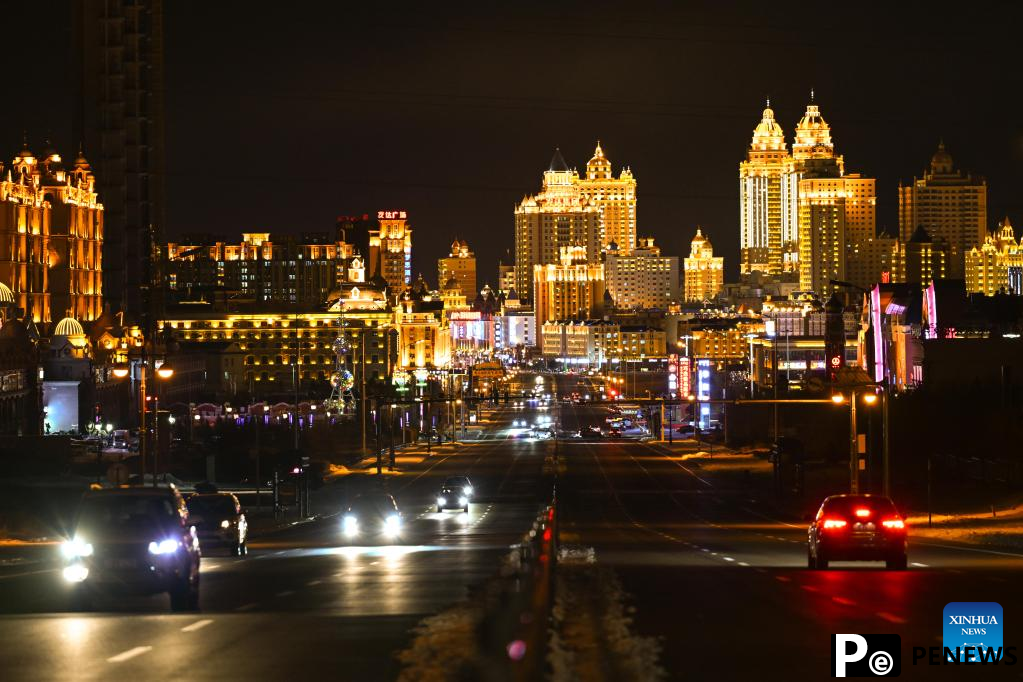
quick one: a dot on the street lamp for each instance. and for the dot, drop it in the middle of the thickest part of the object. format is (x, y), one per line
(121, 371)
(165, 371)
(838, 398)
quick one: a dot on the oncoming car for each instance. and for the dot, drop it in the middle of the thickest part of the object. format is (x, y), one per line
(455, 493)
(133, 541)
(857, 528)
(219, 522)
(372, 516)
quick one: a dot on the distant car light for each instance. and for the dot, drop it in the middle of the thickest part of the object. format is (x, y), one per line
(225, 524)
(392, 525)
(168, 546)
(75, 573)
(467, 490)
(76, 549)
(351, 525)
(441, 501)
(462, 501)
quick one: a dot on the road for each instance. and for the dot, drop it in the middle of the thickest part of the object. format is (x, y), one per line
(300, 600)
(724, 584)
(713, 572)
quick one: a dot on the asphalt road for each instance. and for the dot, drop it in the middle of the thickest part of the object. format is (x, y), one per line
(724, 584)
(301, 600)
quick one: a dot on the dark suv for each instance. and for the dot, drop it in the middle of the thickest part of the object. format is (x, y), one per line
(133, 540)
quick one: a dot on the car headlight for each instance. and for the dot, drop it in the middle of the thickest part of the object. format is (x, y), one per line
(75, 573)
(441, 501)
(392, 524)
(225, 524)
(168, 546)
(467, 490)
(463, 500)
(76, 549)
(351, 525)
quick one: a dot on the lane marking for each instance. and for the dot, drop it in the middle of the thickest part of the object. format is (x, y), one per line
(313, 582)
(891, 617)
(728, 558)
(743, 563)
(810, 588)
(967, 549)
(782, 578)
(919, 565)
(286, 593)
(197, 625)
(130, 653)
(843, 601)
(246, 607)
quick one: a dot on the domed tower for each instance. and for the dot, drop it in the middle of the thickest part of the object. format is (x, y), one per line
(760, 197)
(813, 135)
(941, 162)
(598, 167)
(616, 199)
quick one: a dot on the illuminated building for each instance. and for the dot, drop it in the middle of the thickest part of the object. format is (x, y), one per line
(460, 264)
(390, 250)
(556, 218)
(51, 237)
(423, 342)
(571, 289)
(588, 342)
(505, 278)
(452, 296)
(873, 260)
(642, 278)
(997, 265)
(763, 232)
(704, 272)
(949, 204)
(923, 259)
(616, 199)
(119, 117)
(270, 269)
(641, 342)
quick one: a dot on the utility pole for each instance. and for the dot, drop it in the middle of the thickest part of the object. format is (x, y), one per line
(854, 470)
(297, 374)
(362, 391)
(886, 476)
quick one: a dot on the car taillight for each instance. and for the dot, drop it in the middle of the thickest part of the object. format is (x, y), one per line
(894, 524)
(830, 524)
(862, 513)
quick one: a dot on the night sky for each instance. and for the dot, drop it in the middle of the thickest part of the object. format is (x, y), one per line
(281, 117)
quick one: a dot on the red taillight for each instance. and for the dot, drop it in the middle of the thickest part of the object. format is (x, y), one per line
(830, 524)
(862, 513)
(894, 524)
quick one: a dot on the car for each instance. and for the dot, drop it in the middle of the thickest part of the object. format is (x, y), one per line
(219, 522)
(134, 540)
(373, 516)
(455, 493)
(857, 528)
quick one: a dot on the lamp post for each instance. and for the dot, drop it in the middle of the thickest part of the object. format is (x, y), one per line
(165, 372)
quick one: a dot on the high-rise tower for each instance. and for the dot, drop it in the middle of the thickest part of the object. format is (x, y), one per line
(760, 198)
(616, 199)
(390, 250)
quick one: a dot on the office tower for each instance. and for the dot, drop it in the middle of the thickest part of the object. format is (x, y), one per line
(119, 120)
(704, 272)
(949, 204)
(760, 199)
(505, 278)
(460, 264)
(642, 279)
(573, 288)
(556, 218)
(923, 259)
(390, 250)
(616, 199)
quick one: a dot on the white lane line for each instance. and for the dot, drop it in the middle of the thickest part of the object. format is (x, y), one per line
(890, 617)
(130, 653)
(312, 582)
(728, 558)
(810, 588)
(286, 593)
(743, 563)
(197, 625)
(246, 607)
(919, 565)
(843, 601)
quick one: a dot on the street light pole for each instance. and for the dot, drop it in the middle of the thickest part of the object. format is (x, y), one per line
(854, 472)
(886, 475)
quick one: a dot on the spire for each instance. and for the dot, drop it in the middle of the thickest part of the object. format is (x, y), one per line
(811, 95)
(558, 161)
(598, 153)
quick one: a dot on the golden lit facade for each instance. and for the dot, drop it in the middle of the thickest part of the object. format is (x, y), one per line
(997, 265)
(390, 250)
(642, 279)
(51, 237)
(922, 259)
(460, 264)
(949, 204)
(423, 341)
(573, 288)
(704, 272)
(616, 199)
(760, 199)
(556, 218)
(641, 342)
(264, 268)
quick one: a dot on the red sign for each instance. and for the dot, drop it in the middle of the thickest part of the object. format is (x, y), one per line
(467, 315)
(391, 215)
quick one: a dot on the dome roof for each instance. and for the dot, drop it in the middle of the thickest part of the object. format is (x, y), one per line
(69, 326)
(941, 162)
(6, 295)
(451, 283)
(769, 131)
